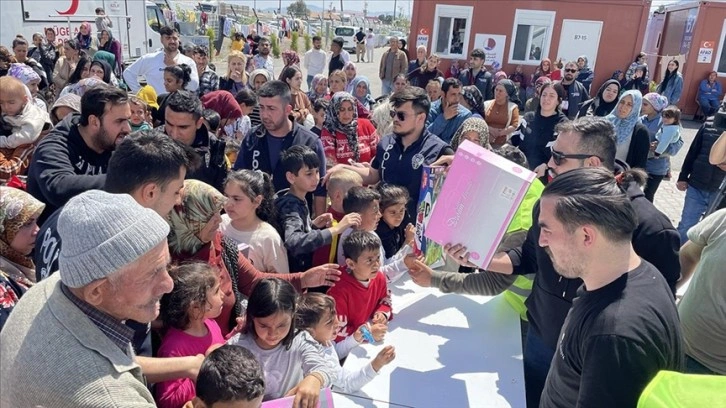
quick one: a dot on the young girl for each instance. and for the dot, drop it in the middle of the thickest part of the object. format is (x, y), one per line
(249, 209)
(670, 132)
(176, 77)
(393, 209)
(316, 314)
(139, 113)
(290, 361)
(188, 312)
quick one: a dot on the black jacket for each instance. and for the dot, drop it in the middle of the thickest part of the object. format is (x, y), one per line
(539, 132)
(639, 147)
(300, 239)
(576, 95)
(696, 169)
(654, 239)
(483, 81)
(214, 168)
(63, 166)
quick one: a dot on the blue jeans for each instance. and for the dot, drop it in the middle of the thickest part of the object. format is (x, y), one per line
(709, 106)
(386, 87)
(694, 367)
(537, 361)
(694, 206)
(310, 81)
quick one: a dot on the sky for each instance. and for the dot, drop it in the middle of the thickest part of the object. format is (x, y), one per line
(353, 5)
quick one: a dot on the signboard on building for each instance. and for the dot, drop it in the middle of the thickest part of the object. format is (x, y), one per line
(687, 40)
(493, 46)
(705, 52)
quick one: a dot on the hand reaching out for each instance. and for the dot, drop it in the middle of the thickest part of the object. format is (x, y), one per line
(410, 234)
(384, 357)
(323, 220)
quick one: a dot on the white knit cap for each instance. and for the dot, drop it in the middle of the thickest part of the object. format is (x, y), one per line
(103, 232)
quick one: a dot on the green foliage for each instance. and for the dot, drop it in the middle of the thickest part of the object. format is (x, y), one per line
(210, 34)
(308, 42)
(275, 45)
(295, 36)
(298, 9)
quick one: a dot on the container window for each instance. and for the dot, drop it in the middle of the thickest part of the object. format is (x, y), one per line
(720, 63)
(452, 28)
(532, 33)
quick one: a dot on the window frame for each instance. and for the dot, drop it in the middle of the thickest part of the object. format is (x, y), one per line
(719, 49)
(532, 17)
(453, 12)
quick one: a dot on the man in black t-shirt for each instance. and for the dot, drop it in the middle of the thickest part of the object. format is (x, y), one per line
(360, 45)
(623, 326)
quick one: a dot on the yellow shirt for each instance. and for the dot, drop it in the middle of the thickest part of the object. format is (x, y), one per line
(237, 45)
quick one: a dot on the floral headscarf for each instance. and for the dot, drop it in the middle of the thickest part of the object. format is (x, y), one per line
(366, 99)
(624, 127)
(290, 57)
(24, 73)
(85, 40)
(80, 87)
(346, 67)
(312, 95)
(253, 75)
(16, 208)
(472, 124)
(473, 97)
(332, 123)
(200, 202)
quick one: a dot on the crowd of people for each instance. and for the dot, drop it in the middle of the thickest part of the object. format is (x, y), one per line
(188, 237)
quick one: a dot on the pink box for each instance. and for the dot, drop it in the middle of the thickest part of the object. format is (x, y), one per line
(481, 193)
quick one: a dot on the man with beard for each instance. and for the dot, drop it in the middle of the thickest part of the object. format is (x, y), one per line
(400, 157)
(576, 93)
(623, 326)
(152, 65)
(263, 59)
(74, 156)
(263, 145)
(478, 75)
(585, 142)
(208, 79)
(65, 344)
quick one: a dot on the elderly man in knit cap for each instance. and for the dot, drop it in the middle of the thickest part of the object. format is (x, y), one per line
(656, 166)
(65, 344)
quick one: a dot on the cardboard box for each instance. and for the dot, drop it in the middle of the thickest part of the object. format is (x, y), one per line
(480, 196)
(432, 180)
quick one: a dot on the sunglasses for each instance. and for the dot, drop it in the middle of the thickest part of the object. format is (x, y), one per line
(570, 70)
(559, 157)
(398, 114)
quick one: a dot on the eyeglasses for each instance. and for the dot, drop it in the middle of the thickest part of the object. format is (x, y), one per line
(570, 70)
(398, 114)
(559, 157)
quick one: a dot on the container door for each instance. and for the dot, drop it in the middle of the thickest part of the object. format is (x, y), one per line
(580, 37)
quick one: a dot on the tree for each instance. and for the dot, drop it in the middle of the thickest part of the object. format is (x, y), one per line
(386, 19)
(298, 9)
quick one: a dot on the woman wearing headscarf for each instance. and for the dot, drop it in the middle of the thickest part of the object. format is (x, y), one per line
(362, 92)
(472, 99)
(257, 78)
(109, 44)
(69, 103)
(604, 102)
(639, 81)
(337, 83)
(80, 87)
(540, 130)
(474, 130)
(546, 69)
(195, 236)
(429, 70)
(86, 40)
(345, 136)
(585, 74)
(502, 113)
(672, 85)
(229, 112)
(19, 213)
(350, 72)
(290, 58)
(102, 70)
(318, 88)
(533, 103)
(631, 136)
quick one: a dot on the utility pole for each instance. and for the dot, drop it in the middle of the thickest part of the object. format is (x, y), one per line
(394, 10)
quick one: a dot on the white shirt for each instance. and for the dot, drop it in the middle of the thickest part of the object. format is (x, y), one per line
(315, 62)
(264, 63)
(152, 67)
(267, 251)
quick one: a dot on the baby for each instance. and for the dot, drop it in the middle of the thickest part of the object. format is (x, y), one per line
(25, 118)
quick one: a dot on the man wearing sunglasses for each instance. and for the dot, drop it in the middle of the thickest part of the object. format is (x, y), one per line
(576, 91)
(400, 156)
(585, 142)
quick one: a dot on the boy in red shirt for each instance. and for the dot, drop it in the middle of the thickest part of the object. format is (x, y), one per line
(362, 293)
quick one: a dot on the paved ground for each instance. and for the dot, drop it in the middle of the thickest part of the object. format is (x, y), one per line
(668, 199)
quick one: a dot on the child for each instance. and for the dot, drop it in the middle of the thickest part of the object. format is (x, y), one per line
(238, 42)
(247, 101)
(361, 294)
(211, 120)
(393, 210)
(433, 89)
(147, 94)
(139, 113)
(316, 314)
(30, 78)
(301, 235)
(188, 312)
(320, 106)
(289, 361)
(103, 22)
(670, 131)
(364, 201)
(338, 185)
(249, 209)
(230, 376)
(26, 119)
